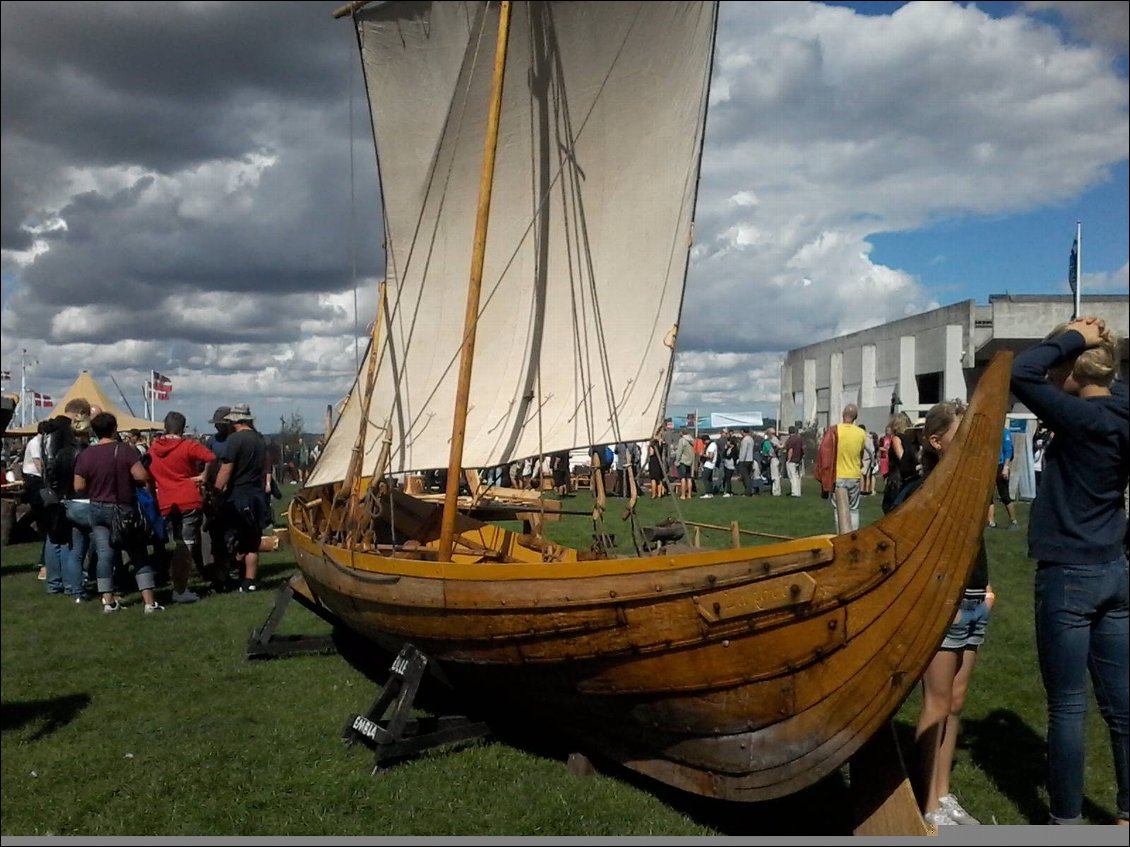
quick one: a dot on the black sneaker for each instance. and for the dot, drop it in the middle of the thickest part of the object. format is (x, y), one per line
(247, 585)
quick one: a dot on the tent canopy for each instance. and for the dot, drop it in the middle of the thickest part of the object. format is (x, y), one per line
(86, 387)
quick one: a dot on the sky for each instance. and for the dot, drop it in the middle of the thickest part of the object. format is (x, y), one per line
(191, 188)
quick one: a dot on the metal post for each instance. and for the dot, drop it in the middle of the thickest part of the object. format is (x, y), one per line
(1078, 270)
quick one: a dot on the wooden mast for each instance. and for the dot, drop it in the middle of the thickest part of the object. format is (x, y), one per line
(470, 322)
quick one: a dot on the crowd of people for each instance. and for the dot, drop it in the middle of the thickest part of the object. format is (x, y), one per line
(116, 511)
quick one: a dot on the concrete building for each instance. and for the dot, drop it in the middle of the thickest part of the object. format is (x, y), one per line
(926, 358)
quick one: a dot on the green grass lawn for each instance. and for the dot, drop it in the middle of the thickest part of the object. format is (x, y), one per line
(157, 725)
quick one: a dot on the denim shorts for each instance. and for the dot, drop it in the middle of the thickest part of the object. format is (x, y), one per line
(968, 631)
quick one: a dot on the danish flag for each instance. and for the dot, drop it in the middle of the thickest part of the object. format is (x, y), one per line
(160, 386)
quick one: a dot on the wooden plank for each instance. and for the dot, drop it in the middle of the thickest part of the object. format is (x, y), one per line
(881, 794)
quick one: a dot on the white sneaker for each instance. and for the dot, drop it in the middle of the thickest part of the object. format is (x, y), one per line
(727, 495)
(706, 496)
(185, 596)
(955, 812)
(156, 607)
(938, 817)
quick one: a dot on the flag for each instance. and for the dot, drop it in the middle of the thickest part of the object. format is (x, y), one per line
(43, 401)
(1073, 267)
(158, 390)
(159, 387)
(162, 383)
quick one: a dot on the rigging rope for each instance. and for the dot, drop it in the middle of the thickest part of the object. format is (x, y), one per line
(353, 221)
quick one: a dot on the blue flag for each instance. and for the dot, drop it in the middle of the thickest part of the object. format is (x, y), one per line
(1073, 270)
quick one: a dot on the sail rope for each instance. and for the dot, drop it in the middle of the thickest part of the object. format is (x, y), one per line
(353, 222)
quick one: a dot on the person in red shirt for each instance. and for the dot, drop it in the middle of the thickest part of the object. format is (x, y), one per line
(177, 466)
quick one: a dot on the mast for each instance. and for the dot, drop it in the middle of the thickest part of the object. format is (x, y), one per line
(470, 321)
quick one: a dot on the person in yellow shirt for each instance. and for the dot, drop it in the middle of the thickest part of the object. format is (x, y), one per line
(849, 462)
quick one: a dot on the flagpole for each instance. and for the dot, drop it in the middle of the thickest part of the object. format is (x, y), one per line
(1078, 269)
(23, 387)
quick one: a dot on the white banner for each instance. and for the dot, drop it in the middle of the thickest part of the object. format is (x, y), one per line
(732, 419)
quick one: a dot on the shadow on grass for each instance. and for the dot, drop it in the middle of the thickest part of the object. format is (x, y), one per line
(786, 816)
(14, 569)
(820, 809)
(792, 815)
(21, 556)
(1015, 758)
(54, 714)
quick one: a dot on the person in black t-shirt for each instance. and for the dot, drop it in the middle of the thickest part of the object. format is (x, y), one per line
(244, 478)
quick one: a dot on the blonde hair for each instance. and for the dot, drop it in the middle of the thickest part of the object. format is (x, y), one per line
(1095, 365)
(939, 419)
(899, 422)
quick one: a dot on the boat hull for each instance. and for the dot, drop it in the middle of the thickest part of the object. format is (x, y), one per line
(742, 674)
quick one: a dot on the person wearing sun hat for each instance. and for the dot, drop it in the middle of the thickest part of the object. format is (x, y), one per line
(243, 478)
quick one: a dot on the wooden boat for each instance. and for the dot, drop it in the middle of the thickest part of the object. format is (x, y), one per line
(746, 673)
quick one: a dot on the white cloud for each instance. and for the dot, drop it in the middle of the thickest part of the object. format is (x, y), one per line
(195, 224)
(1116, 282)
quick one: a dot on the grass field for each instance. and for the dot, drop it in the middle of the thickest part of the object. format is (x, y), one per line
(157, 725)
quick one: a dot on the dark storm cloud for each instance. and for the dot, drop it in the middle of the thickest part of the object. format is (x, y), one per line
(222, 135)
(163, 85)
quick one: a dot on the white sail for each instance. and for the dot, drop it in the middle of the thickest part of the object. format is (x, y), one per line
(590, 223)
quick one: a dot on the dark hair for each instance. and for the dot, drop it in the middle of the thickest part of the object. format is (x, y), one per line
(104, 425)
(174, 423)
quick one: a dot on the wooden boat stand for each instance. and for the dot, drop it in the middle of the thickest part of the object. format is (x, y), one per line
(265, 644)
(392, 737)
(398, 735)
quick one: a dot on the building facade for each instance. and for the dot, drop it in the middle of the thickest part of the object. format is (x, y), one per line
(924, 359)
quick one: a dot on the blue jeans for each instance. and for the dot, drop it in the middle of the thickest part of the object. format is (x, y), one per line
(53, 557)
(708, 480)
(78, 514)
(101, 518)
(851, 486)
(1082, 618)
